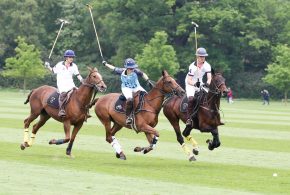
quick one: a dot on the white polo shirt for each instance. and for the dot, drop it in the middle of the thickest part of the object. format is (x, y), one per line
(64, 76)
(197, 74)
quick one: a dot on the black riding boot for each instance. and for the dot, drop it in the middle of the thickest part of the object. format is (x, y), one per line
(61, 100)
(189, 110)
(129, 106)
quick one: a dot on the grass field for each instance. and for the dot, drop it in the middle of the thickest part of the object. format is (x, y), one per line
(255, 144)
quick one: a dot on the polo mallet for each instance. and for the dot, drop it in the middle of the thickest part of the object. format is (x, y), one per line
(195, 26)
(90, 9)
(62, 23)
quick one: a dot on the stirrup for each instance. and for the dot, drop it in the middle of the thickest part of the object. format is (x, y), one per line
(129, 121)
(188, 122)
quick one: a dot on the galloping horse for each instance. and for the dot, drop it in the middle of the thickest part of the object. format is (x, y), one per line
(146, 113)
(76, 109)
(206, 118)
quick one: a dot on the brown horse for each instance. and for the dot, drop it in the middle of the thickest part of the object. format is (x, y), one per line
(76, 109)
(205, 119)
(145, 116)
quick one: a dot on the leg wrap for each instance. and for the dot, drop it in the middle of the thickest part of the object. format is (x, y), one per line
(32, 138)
(186, 149)
(154, 141)
(115, 144)
(192, 141)
(26, 135)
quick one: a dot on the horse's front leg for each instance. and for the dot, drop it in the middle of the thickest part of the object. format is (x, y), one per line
(215, 143)
(66, 127)
(152, 137)
(76, 129)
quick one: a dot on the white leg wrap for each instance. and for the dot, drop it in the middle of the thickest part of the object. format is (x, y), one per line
(32, 138)
(26, 135)
(115, 144)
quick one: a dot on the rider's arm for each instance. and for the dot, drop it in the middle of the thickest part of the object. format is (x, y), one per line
(145, 77)
(208, 77)
(189, 80)
(109, 66)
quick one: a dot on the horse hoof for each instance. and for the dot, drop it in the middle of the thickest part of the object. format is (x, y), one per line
(192, 158)
(121, 156)
(146, 150)
(195, 151)
(52, 141)
(138, 149)
(22, 146)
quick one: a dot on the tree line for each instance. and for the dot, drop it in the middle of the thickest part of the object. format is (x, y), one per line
(246, 39)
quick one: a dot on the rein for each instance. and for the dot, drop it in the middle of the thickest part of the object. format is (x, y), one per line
(216, 92)
(163, 93)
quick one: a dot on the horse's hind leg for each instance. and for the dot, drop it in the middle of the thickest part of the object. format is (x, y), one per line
(29, 142)
(114, 142)
(189, 138)
(27, 122)
(42, 120)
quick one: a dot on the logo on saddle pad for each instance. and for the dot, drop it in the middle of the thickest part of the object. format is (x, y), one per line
(184, 104)
(53, 100)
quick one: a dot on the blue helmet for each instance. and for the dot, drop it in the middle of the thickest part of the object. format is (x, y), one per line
(130, 63)
(69, 53)
(201, 52)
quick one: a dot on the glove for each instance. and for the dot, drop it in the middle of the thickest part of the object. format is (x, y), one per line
(47, 64)
(197, 84)
(83, 81)
(150, 83)
(104, 62)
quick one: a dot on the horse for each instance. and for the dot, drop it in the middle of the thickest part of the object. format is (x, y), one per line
(205, 119)
(145, 114)
(76, 109)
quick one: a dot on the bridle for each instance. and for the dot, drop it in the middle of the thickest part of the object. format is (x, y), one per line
(92, 85)
(216, 93)
(167, 84)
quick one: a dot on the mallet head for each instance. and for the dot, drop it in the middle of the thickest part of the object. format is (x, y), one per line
(194, 24)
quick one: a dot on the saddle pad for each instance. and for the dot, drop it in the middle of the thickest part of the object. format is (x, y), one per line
(53, 100)
(184, 104)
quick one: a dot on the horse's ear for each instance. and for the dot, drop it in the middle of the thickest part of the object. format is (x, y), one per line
(164, 73)
(90, 69)
(212, 71)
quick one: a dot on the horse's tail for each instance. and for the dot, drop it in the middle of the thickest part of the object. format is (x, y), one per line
(93, 102)
(28, 97)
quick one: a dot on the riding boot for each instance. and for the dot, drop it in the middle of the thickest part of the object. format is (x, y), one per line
(189, 110)
(129, 106)
(61, 100)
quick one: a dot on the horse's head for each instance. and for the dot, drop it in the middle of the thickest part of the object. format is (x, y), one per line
(95, 79)
(218, 84)
(167, 84)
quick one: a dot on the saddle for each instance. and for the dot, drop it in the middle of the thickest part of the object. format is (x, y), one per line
(53, 98)
(120, 104)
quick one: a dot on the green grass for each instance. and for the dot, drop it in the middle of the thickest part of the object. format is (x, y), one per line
(255, 144)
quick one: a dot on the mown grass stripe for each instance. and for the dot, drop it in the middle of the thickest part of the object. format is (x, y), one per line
(69, 181)
(169, 150)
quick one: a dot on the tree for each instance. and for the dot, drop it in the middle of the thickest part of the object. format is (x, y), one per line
(157, 56)
(278, 73)
(26, 65)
